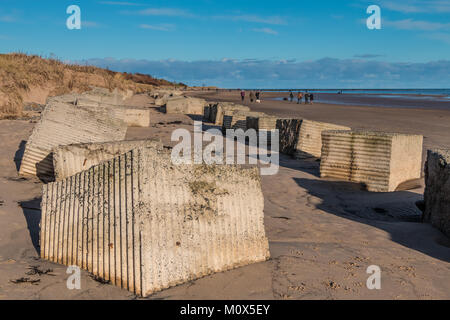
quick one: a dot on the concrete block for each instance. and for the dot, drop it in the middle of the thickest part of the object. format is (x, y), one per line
(71, 159)
(63, 124)
(303, 138)
(382, 161)
(437, 189)
(133, 116)
(263, 122)
(145, 224)
(137, 117)
(237, 119)
(185, 105)
(104, 96)
(217, 111)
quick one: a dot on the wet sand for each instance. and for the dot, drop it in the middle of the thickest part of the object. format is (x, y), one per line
(322, 234)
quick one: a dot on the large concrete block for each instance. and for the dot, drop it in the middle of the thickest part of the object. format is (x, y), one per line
(262, 122)
(382, 161)
(63, 124)
(145, 224)
(185, 105)
(103, 95)
(137, 117)
(237, 119)
(133, 116)
(217, 111)
(303, 138)
(71, 159)
(437, 189)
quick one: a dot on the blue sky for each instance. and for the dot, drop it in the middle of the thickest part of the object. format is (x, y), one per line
(284, 43)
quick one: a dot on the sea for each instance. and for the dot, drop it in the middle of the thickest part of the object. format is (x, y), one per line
(413, 98)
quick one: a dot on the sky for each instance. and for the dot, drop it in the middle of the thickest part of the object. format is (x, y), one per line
(246, 43)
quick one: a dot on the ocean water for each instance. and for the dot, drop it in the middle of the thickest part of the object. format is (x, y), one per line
(389, 98)
(402, 92)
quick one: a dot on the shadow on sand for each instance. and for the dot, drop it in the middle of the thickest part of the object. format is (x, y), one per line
(32, 212)
(394, 212)
(19, 154)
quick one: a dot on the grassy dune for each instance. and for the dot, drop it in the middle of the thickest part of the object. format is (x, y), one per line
(31, 79)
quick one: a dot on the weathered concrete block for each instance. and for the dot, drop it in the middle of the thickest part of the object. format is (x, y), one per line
(145, 224)
(262, 122)
(217, 111)
(437, 189)
(103, 95)
(237, 119)
(382, 161)
(137, 117)
(133, 116)
(185, 105)
(303, 138)
(71, 159)
(63, 124)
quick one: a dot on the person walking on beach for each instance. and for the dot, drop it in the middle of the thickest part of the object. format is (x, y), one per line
(257, 95)
(307, 98)
(252, 96)
(299, 97)
(291, 96)
(242, 95)
(311, 98)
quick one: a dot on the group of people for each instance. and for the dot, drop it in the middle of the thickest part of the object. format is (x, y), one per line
(254, 96)
(309, 97)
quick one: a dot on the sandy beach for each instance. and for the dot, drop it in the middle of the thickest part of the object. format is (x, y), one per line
(322, 234)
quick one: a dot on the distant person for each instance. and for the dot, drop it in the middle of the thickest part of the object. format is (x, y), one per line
(252, 96)
(291, 96)
(307, 98)
(258, 97)
(242, 95)
(299, 97)
(311, 98)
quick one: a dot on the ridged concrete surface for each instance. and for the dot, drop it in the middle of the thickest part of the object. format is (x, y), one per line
(302, 138)
(146, 225)
(382, 161)
(71, 159)
(63, 124)
(237, 119)
(217, 111)
(133, 116)
(437, 189)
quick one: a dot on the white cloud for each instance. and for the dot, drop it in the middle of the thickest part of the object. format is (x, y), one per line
(417, 6)
(168, 12)
(160, 27)
(274, 20)
(120, 3)
(266, 30)
(327, 72)
(411, 24)
(90, 24)
(439, 36)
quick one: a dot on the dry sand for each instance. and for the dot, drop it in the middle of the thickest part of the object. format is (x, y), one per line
(322, 234)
